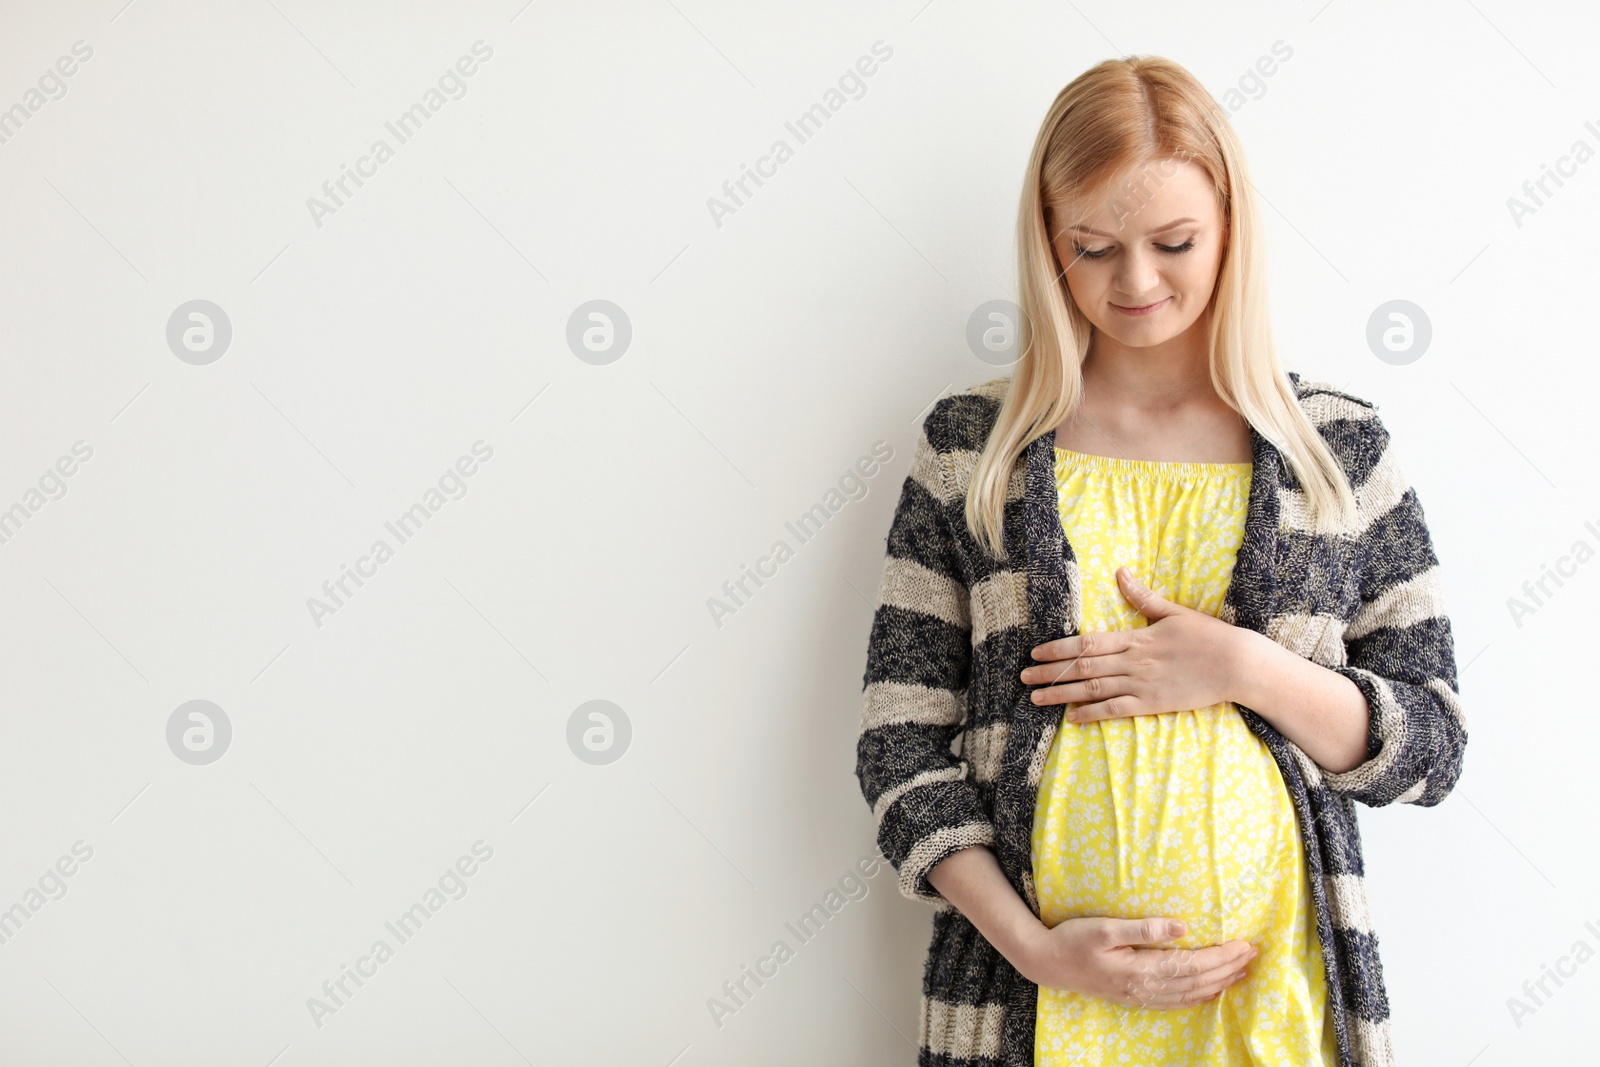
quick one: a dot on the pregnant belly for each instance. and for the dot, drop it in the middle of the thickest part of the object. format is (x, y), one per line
(1183, 815)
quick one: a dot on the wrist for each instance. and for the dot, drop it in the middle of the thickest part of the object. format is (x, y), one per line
(1025, 940)
(1243, 657)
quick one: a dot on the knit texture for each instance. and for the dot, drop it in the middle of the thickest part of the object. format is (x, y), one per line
(951, 748)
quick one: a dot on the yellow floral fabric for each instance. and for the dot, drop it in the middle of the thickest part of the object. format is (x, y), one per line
(1182, 814)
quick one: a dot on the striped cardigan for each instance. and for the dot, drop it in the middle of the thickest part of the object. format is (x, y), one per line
(951, 748)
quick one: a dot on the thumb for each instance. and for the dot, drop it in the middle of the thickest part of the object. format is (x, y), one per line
(1141, 596)
(1144, 931)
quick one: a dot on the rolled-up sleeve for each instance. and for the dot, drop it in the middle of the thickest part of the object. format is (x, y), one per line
(1400, 651)
(919, 660)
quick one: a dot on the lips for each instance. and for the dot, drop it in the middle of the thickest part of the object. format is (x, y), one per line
(1144, 309)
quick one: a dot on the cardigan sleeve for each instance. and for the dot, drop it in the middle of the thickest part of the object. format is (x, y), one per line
(919, 661)
(1400, 650)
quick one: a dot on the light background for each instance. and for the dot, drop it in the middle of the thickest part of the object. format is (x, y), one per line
(768, 355)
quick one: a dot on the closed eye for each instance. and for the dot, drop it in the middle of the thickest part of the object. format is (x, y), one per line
(1084, 253)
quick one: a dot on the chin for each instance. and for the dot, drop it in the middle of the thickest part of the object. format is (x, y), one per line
(1145, 338)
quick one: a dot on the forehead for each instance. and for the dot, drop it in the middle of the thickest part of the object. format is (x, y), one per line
(1143, 199)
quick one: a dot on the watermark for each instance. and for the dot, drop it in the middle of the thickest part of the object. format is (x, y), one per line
(599, 332)
(737, 992)
(199, 732)
(1536, 992)
(199, 332)
(451, 85)
(599, 732)
(51, 885)
(1535, 190)
(337, 592)
(994, 332)
(52, 86)
(52, 485)
(1133, 193)
(736, 192)
(1252, 84)
(451, 885)
(1126, 198)
(1536, 592)
(1399, 332)
(852, 485)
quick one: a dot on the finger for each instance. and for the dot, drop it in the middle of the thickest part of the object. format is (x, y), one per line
(1137, 593)
(1105, 660)
(1159, 989)
(1197, 995)
(1186, 962)
(1116, 933)
(1159, 980)
(1121, 706)
(1086, 691)
(1149, 603)
(1060, 648)
(1092, 643)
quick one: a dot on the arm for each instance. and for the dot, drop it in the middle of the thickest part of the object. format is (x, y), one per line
(1113, 959)
(1316, 707)
(973, 881)
(919, 659)
(1400, 657)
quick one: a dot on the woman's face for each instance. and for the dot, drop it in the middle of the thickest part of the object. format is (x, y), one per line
(1141, 262)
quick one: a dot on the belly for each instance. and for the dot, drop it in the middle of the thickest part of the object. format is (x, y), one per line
(1182, 815)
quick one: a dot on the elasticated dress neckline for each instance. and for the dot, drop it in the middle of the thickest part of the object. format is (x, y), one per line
(1156, 468)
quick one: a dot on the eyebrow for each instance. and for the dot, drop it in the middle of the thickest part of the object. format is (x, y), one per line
(1175, 223)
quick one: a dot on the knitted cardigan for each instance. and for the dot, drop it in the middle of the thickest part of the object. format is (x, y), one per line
(951, 748)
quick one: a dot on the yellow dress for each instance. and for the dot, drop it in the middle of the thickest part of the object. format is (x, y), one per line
(1182, 814)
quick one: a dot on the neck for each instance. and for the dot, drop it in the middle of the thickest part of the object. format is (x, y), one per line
(1167, 375)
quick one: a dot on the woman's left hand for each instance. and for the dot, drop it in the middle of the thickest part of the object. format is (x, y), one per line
(1184, 659)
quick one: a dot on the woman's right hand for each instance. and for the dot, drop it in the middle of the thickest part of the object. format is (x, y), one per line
(1113, 959)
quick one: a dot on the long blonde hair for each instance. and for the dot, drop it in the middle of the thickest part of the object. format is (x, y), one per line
(1111, 119)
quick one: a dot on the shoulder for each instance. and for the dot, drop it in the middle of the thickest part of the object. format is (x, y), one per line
(1388, 511)
(1350, 425)
(1323, 403)
(962, 420)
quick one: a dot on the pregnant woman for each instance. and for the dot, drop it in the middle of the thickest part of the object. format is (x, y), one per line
(1155, 614)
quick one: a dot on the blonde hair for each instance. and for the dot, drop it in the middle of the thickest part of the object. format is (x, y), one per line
(1115, 117)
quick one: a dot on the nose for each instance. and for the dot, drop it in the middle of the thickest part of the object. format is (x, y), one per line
(1137, 277)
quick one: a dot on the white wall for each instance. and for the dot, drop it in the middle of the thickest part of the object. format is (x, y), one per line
(371, 748)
